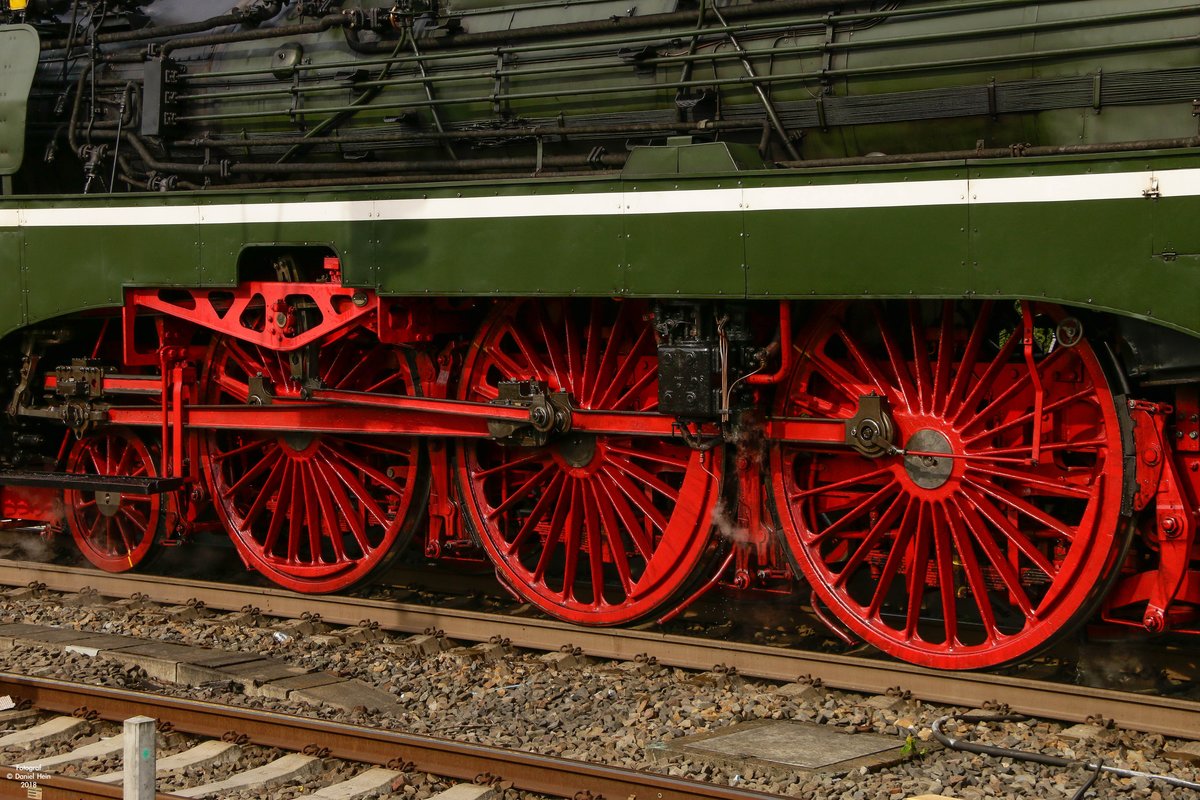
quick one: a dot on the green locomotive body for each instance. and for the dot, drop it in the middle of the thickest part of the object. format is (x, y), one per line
(895, 302)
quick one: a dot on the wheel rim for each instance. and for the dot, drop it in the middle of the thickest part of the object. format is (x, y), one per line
(1008, 556)
(598, 530)
(313, 512)
(114, 531)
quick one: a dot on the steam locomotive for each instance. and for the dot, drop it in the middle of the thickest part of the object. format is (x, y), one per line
(888, 307)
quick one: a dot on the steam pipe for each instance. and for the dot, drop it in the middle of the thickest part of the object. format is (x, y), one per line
(251, 16)
(476, 133)
(783, 344)
(743, 80)
(320, 26)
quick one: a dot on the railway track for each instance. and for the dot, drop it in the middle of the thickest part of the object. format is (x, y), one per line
(557, 777)
(1152, 714)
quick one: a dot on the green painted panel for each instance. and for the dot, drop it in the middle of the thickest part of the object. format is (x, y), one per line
(19, 48)
(699, 253)
(560, 255)
(87, 267)
(12, 299)
(893, 251)
(1175, 228)
(1096, 253)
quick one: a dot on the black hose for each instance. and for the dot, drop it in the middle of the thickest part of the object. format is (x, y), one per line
(1091, 781)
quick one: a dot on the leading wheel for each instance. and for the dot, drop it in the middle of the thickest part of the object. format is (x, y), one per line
(598, 530)
(115, 531)
(968, 556)
(314, 512)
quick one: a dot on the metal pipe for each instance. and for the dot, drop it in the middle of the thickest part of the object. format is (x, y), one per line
(776, 122)
(1186, 41)
(320, 26)
(238, 16)
(681, 18)
(1040, 758)
(384, 180)
(774, 25)
(783, 344)
(690, 57)
(1015, 151)
(534, 132)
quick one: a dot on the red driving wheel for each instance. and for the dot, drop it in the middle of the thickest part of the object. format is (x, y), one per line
(115, 531)
(598, 530)
(314, 512)
(968, 556)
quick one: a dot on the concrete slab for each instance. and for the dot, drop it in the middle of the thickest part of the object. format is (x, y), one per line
(100, 749)
(159, 669)
(466, 791)
(372, 783)
(18, 628)
(246, 671)
(59, 729)
(203, 755)
(221, 658)
(348, 695)
(168, 650)
(788, 745)
(289, 769)
(281, 688)
(47, 637)
(262, 670)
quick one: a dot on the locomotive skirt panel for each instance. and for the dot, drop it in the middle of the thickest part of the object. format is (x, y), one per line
(1098, 232)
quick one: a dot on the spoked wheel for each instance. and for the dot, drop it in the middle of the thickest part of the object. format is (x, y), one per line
(977, 558)
(598, 530)
(313, 512)
(114, 531)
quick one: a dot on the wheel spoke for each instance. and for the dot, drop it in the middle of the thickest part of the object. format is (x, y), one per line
(1028, 509)
(523, 491)
(895, 558)
(978, 531)
(870, 542)
(943, 555)
(550, 495)
(643, 503)
(1043, 487)
(908, 392)
(922, 377)
(945, 354)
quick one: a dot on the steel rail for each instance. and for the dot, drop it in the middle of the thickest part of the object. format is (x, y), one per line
(1167, 716)
(23, 781)
(532, 772)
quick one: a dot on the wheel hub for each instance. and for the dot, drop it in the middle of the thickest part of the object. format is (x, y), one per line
(928, 472)
(298, 440)
(108, 503)
(578, 449)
